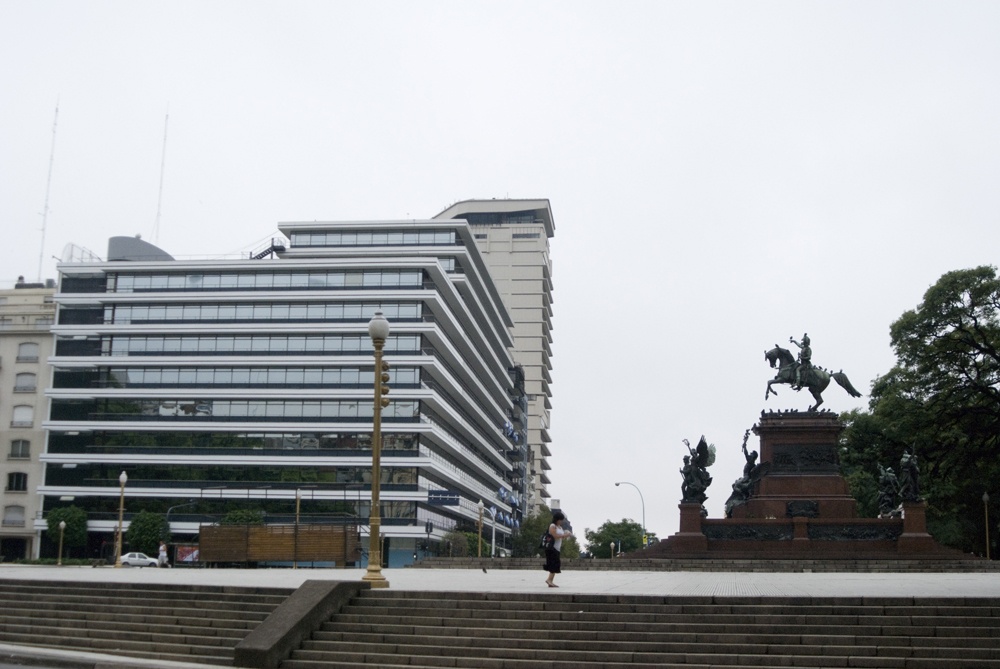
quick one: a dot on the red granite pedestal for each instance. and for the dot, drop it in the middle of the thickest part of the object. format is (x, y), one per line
(802, 507)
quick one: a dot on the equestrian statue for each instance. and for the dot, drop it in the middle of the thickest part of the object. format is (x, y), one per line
(800, 372)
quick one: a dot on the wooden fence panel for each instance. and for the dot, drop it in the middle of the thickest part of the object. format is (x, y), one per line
(279, 543)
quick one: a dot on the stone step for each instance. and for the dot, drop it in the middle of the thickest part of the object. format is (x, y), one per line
(155, 622)
(467, 647)
(378, 634)
(709, 619)
(111, 613)
(119, 645)
(511, 631)
(171, 636)
(218, 592)
(145, 655)
(490, 659)
(651, 625)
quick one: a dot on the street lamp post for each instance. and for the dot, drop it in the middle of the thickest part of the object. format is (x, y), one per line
(986, 511)
(378, 330)
(493, 535)
(479, 537)
(618, 483)
(121, 516)
(62, 530)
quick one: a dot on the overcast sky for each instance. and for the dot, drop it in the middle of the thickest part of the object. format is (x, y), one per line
(723, 175)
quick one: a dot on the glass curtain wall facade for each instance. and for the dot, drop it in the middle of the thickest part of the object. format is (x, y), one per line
(245, 386)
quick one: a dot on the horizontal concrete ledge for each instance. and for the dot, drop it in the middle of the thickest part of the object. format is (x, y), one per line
(695, 564)
(294, 620)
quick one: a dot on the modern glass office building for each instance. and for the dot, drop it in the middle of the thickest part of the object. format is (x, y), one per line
(245, 386)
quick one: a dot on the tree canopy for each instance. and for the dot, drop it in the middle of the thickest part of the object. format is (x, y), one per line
(626, 535)
(941, 401)
(75, 534)
(145, 531)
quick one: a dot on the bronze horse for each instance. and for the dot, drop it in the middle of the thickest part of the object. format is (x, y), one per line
(815, 379)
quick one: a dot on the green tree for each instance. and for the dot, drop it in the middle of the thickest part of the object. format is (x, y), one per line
(526, 540)
(75, 534)
(627, 534)
(942, 401)
(243, 517)
(456, 544)
(145, 531)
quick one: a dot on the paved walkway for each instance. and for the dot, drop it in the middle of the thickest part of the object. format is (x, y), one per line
(722, 584)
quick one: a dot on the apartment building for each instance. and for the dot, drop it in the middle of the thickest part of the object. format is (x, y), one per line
(221, 386)
(26, 314)
(513, 237)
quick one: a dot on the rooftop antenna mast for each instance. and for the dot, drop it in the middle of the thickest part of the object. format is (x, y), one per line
(48, 185)
(159, 197)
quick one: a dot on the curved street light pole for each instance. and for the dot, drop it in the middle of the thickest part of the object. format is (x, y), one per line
(618, 483)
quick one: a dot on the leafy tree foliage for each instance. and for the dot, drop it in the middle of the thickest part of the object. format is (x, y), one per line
(941, 400)
(75, 534)
(456, 544)
(243, 517)
(627, 534)
(145, 532)
(526, 540)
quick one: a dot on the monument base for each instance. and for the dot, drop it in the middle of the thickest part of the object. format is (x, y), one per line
(801, 508)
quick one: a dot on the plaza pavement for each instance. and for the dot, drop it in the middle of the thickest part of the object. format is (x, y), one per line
(662, 583)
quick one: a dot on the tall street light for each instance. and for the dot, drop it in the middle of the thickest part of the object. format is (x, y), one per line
(378, 330)
(986, 510)
(62, 530)
(493, 515)
(618, 483)
(479, 538)
(121, 516)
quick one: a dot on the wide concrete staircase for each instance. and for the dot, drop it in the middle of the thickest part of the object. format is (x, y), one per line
(386, 628)
(182, 623)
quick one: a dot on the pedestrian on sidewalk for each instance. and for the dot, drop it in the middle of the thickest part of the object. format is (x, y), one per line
(553, 563)
(162, 560)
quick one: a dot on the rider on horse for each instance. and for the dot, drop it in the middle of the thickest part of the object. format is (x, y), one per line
(805, 360)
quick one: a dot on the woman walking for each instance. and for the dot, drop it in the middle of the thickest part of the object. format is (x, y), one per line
(553, 564)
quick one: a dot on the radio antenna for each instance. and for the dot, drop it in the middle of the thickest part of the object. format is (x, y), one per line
(48, 186)
(159, 197)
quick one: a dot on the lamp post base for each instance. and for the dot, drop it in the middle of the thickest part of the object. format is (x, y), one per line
(375, 579)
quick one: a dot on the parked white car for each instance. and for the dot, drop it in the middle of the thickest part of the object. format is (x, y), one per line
(138, 560)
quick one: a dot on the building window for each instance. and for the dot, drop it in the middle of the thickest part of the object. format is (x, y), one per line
(24, 383)
(24, 416)
(20, 449)
(17, 482)
(27, 352)
(13, 516)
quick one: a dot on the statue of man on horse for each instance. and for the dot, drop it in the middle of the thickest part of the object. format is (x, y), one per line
(801, 373)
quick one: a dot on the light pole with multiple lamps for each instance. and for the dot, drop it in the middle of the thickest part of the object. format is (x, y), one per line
(618, 483)
(121, 516)
(62, 531)
(378, 330)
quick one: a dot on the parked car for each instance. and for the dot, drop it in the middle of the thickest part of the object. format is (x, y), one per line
(138, 560)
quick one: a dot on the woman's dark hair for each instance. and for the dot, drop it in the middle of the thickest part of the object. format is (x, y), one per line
(557, 516)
